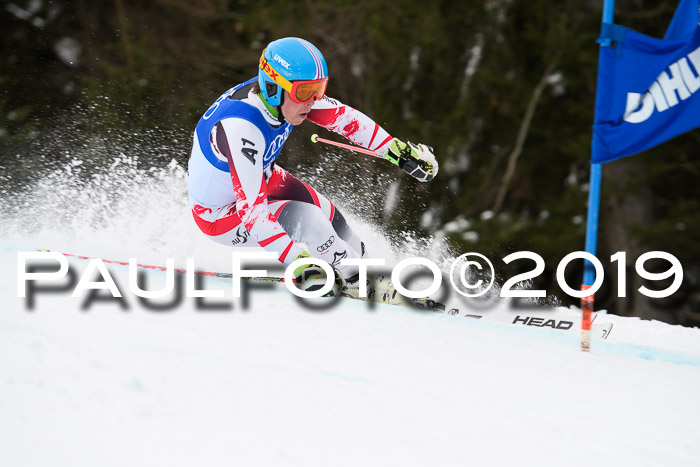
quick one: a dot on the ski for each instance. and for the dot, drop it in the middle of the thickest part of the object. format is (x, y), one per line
(416, 303)
(554, 319)
(559, 319)
(562, 320)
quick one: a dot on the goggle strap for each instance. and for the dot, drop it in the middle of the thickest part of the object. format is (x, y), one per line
(273, 74)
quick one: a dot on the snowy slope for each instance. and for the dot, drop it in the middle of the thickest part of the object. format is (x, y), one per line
(277, 384)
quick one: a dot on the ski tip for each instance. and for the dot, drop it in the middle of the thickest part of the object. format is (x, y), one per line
(314, 138)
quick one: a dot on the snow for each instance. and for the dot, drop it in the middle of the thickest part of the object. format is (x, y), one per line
(280, 384)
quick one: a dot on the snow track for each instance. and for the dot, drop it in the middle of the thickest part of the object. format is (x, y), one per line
(278, 384)
(281, 385)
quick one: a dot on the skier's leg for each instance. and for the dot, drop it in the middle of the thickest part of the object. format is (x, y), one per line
(224, 226)
(304, 222)
(221, 224)
(307, 224)
(284, 186)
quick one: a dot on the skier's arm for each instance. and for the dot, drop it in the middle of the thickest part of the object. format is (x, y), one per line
(415, 159)
(242, 144)
(350, 123)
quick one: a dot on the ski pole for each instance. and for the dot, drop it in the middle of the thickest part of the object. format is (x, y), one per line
(316, 139)
(224, 275)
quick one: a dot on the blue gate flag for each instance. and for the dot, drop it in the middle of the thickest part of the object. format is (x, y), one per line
(648, 88)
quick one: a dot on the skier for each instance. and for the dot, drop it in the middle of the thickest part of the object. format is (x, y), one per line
(240, 196)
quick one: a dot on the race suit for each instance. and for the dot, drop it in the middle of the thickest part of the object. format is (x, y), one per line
(238, 192)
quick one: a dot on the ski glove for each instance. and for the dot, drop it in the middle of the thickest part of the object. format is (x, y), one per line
(417, 160)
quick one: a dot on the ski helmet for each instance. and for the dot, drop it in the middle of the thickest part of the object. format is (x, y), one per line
(294, 65)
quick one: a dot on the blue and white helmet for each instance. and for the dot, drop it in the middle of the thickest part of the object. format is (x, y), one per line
(293, 59)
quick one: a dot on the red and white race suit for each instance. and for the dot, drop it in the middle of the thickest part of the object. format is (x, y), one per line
(239, 195)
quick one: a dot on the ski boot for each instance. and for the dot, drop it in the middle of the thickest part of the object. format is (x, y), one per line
(379, 290)
(314, 278)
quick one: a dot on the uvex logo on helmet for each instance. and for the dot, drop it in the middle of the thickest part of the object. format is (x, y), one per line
(282, 61)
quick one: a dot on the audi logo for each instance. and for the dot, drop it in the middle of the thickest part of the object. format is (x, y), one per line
(326, 245)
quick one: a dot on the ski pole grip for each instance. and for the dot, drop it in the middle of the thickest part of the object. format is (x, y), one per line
(316, 139)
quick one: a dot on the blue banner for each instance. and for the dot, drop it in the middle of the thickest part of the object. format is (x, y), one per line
(648, 88)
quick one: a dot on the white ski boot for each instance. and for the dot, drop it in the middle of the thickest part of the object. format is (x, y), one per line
(379, 290)
(351, 287)
(384, 292)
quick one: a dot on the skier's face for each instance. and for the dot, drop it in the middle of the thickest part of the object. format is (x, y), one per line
(295, 113)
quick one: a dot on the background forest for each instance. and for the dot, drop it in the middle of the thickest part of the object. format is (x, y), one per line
(503, 90)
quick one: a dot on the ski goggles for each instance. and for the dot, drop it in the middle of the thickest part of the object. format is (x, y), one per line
(301, 91)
